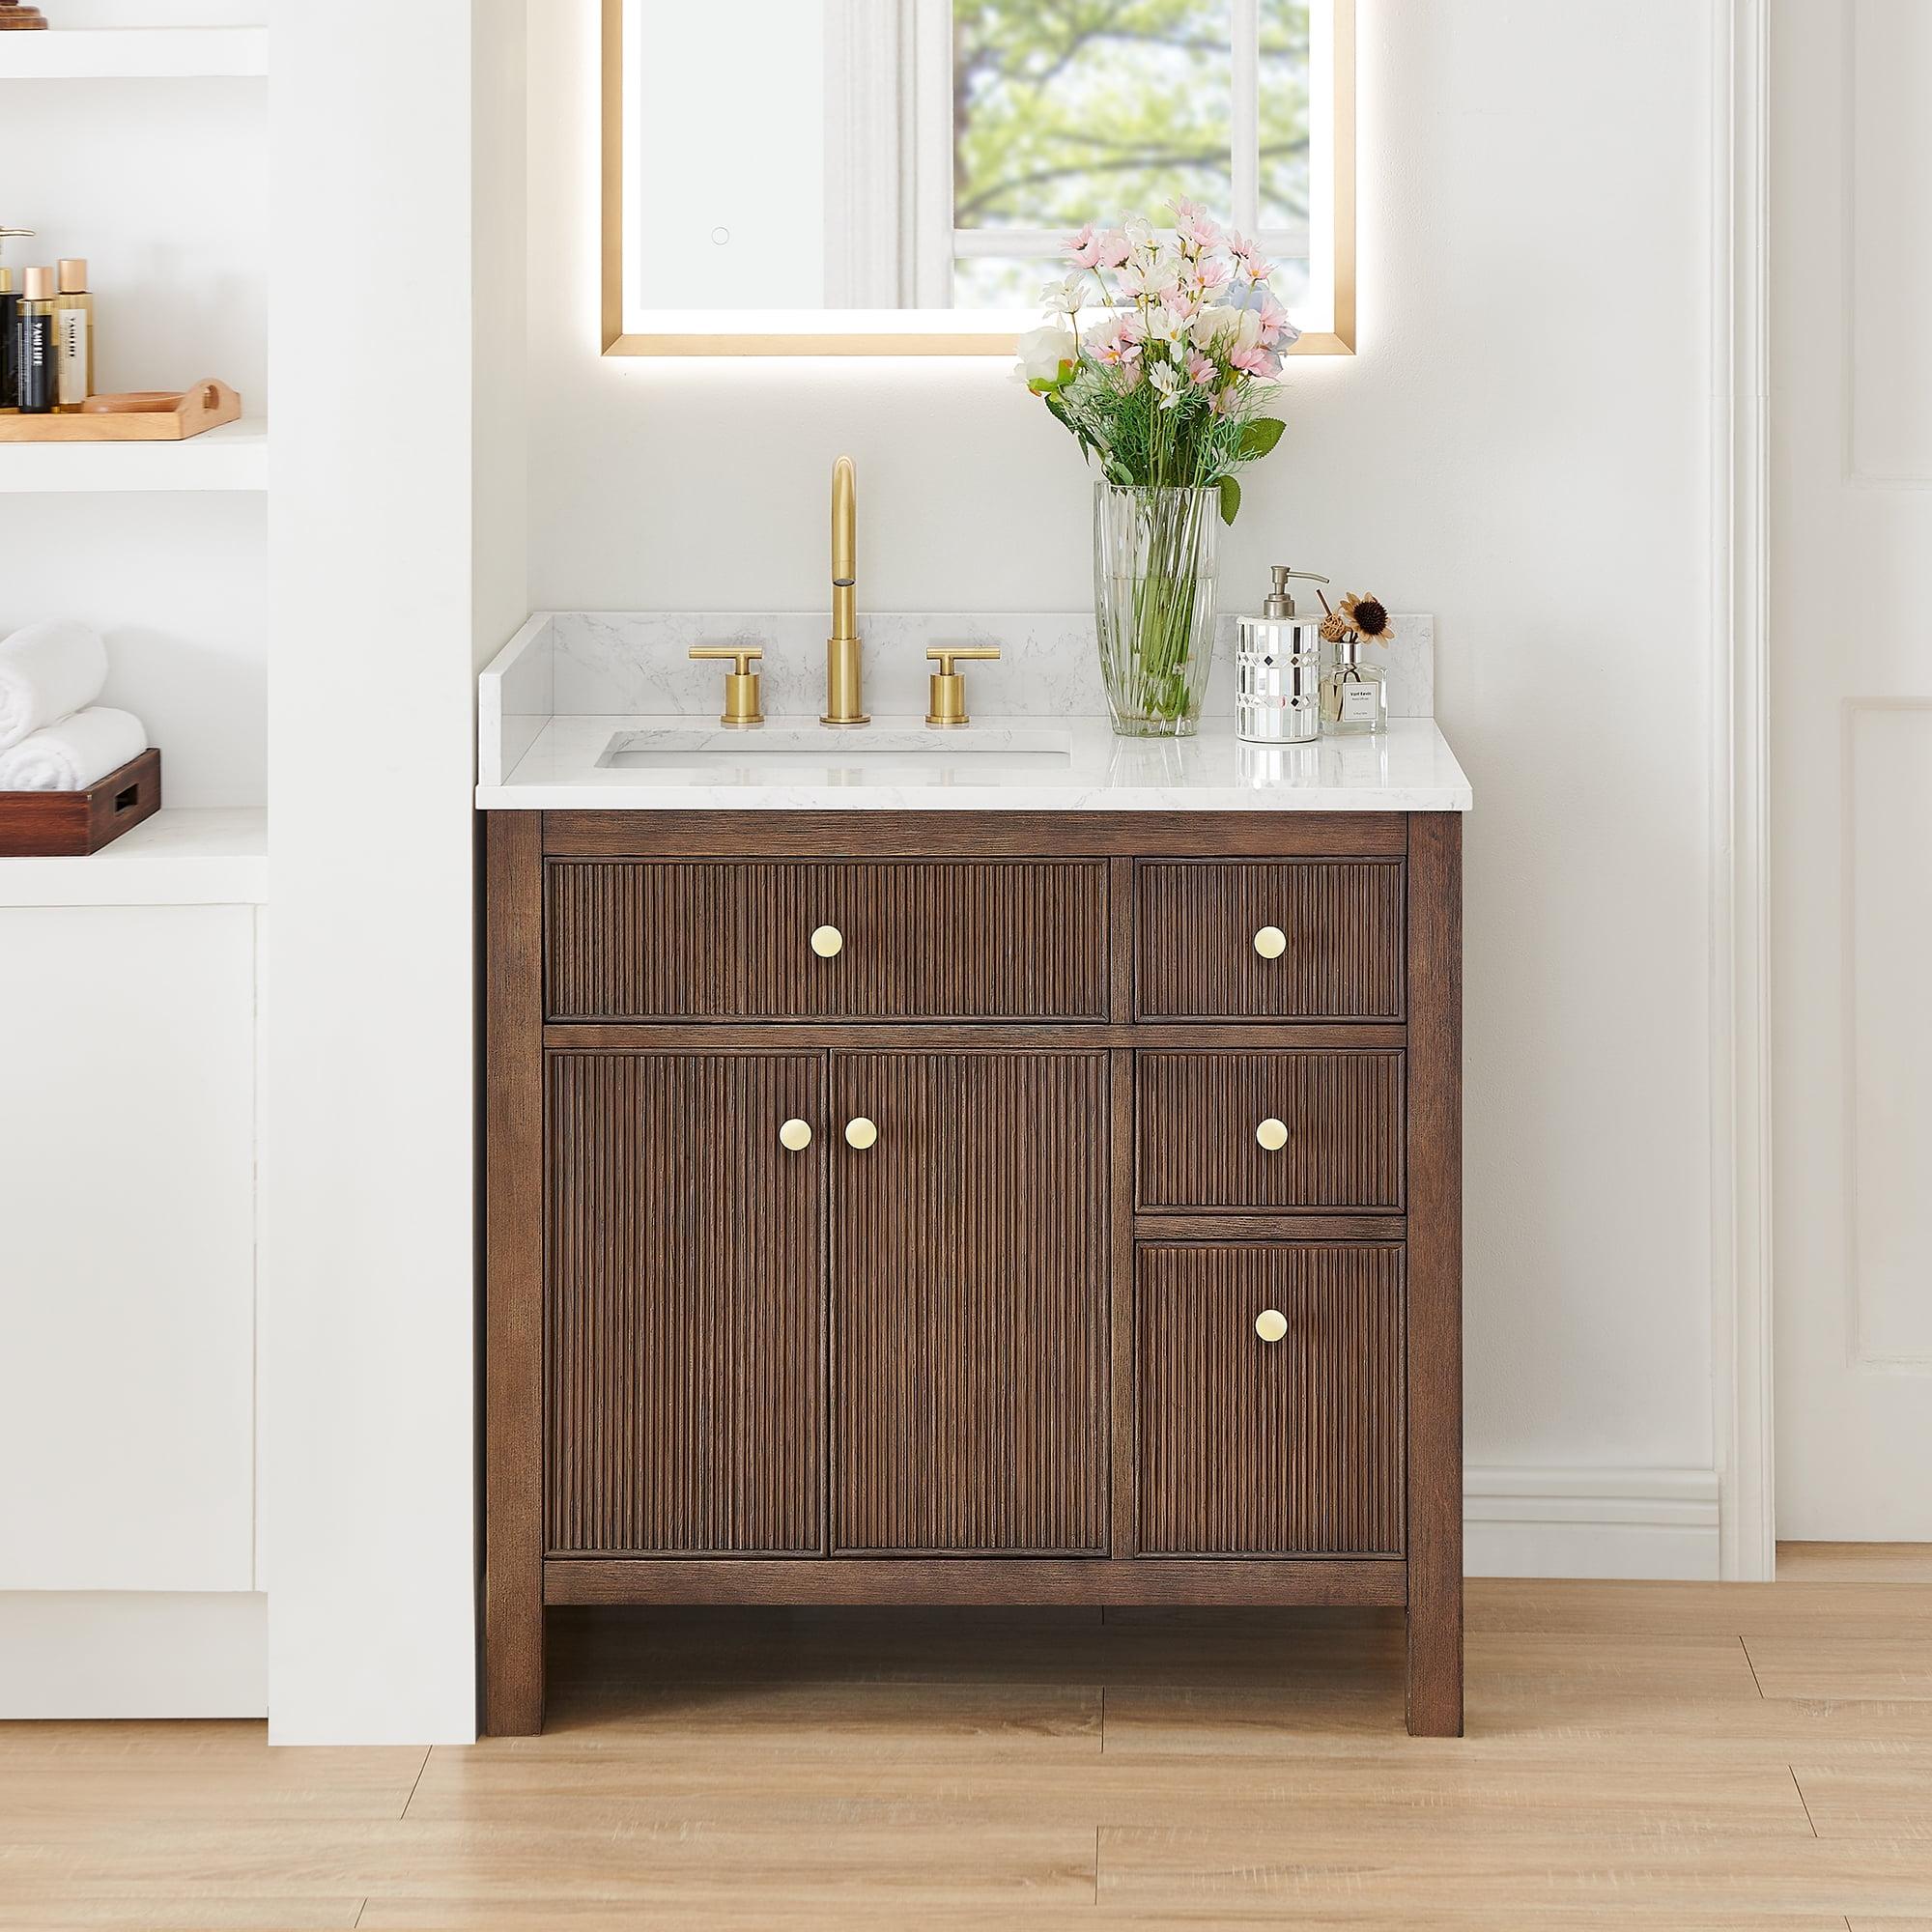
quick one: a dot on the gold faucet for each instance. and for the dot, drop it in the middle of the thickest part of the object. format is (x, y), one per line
(845, 697)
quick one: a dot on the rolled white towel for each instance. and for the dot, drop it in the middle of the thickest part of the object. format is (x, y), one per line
(76, 753)
(47, 671)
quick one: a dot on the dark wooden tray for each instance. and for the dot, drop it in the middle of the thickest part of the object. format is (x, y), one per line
(77, 824)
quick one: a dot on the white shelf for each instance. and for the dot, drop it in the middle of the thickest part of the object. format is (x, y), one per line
(234, 457)
(181, 858)
(135, 53)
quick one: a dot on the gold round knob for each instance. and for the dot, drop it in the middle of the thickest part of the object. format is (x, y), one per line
(1271, 942)
(795, 1136)
(1272, 1134)
(861, 1133)
(1270, 1324)
(827, 941)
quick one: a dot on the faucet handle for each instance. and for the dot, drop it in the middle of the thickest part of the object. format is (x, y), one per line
(741, 681)
(947, 702)
(944, 655)
(742, 655)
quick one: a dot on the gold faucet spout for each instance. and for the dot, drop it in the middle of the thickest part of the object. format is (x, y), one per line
(845, 702)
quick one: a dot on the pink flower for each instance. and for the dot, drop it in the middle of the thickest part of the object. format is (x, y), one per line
(1274, 318)
(1117, 340)
(1248, 255)
(1193, 225)
(1201, 369)
(1260, 360)
(1213, 273)
(1083, 249)
(1111, 248)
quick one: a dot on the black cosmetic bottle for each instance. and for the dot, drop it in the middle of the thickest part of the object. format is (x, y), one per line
(34, 364)
(10, 321)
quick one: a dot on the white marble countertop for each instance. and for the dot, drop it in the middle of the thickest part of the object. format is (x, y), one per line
(629, 762)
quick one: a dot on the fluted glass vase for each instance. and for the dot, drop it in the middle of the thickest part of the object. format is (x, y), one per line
(1154, 556)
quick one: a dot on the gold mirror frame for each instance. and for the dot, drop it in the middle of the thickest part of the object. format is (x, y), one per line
(1339, 341)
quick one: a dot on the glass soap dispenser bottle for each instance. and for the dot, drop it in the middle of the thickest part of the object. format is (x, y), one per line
(1355, 689)
(1278, 670)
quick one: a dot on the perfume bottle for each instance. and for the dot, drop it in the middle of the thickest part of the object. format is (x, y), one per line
(1355, 689)
(1278, 670)
(73, 337)
(34, 345)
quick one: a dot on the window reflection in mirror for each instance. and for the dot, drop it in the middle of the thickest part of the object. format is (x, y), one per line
(910, 168)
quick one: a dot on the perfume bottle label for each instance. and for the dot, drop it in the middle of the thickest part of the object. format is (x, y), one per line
(1358, 704)
(72, 351)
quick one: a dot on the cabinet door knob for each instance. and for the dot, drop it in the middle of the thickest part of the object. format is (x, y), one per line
(1272, 1134)
(1271, 942)
(1270, 1324)
(795, 1136)
(827, 941)
(860, 1133)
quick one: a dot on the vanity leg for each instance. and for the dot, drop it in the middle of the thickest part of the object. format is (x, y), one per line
(1435, 1274)
(513, 1609)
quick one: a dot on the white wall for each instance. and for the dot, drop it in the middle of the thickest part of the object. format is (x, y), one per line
(1521, 446)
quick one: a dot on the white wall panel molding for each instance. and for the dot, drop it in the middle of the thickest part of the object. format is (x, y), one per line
(1886, 774)
(134, 1654)
(1741, 1138)
(1591, 1523)
(1886, 270)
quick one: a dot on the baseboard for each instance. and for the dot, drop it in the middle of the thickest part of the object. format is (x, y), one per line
(1591, 1523)
(132, 1654)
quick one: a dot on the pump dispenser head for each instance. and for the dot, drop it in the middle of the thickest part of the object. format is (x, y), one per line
(40, 285)
(1280, 602)
(73, 275)
(6, 273)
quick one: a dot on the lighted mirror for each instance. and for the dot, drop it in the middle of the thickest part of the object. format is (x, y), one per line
(896, 177)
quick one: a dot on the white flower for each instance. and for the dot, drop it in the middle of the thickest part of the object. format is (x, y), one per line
(1063, 297)
(1167, 381)
(1047, 356)
(1211, 326)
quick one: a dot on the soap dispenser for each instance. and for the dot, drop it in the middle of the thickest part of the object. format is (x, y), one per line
(1278, 668)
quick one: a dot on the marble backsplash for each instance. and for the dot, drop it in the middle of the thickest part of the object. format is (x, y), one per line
(607, 662)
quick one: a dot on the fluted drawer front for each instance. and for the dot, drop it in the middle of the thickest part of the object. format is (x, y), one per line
(927, 939)
(971, 1275)
(685, 1305)
(1249, 1447)
(1341, 925)
(1343, 1113)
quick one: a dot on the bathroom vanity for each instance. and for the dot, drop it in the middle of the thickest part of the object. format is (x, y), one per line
(1021, 1169)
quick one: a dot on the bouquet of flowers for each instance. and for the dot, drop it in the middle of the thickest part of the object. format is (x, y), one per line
(1164, 392)
(1165, 387)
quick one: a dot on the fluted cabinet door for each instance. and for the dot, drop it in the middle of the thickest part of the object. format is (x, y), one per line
(686, 1305)
(969, 1281)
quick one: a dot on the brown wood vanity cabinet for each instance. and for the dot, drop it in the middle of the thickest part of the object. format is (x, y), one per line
(974, 1207)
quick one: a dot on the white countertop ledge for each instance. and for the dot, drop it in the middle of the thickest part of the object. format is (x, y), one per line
(665, 763)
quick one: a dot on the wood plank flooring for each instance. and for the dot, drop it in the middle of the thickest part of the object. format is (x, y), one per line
(1690, 1756)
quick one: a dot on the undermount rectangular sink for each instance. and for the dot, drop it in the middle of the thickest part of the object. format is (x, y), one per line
(915, 756)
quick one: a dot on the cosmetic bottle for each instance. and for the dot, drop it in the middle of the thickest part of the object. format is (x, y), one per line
(73, 337)
(10, 321)
(1355, 689)
(34, 356)
(1278, 670)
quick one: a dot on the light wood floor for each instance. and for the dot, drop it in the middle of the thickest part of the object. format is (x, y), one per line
(1687, 1757)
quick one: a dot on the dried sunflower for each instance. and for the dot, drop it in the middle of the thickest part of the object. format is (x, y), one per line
(1358, 616)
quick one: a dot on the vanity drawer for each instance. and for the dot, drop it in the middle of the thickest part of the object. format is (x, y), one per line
(1258, 1448)
(1339, 923)
(927, 939)
(1203, 1122)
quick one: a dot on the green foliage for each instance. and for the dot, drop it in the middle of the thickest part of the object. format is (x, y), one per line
(1066, 111)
